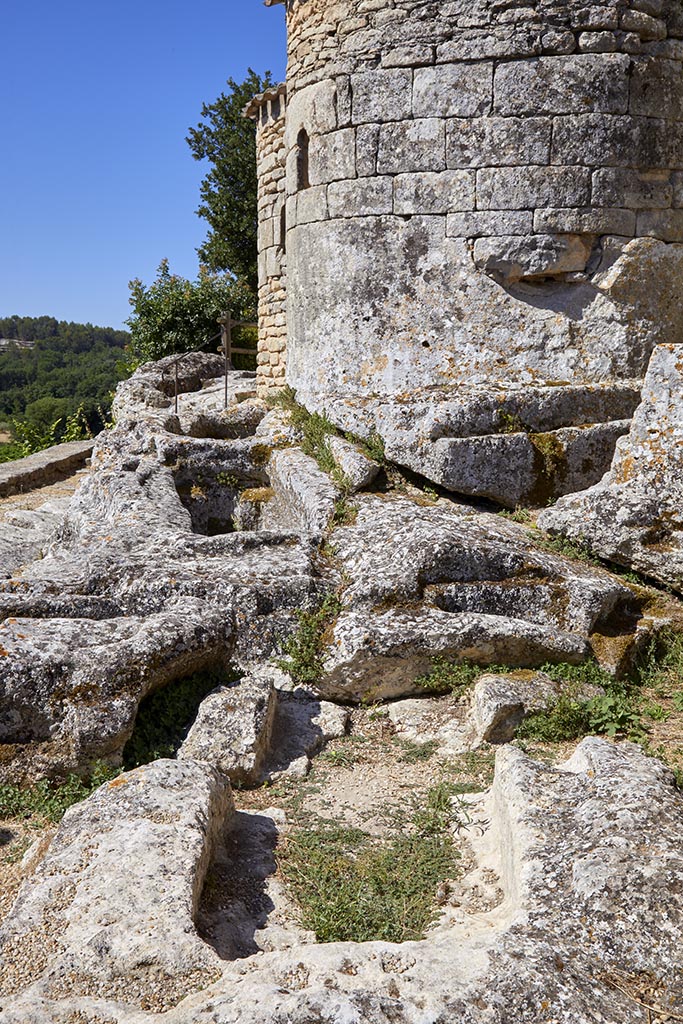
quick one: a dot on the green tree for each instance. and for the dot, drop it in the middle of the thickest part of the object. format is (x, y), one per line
(226, 139)
(177, 315)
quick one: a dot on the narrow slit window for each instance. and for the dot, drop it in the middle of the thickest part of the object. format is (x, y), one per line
(302, 180)
(283, 228)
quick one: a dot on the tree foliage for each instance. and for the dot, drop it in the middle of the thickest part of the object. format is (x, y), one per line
(226, 139)
(69, 367)
(174, 314)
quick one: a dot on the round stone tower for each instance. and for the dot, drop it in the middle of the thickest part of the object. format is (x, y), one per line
(481, 192)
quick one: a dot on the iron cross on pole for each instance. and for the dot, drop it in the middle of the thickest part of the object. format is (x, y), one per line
(226, 323)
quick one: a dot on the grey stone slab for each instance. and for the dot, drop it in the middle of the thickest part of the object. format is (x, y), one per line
(44, 467)
(418, 145)
(563, 85)
(453, 90)
(515, 188)
(434, 192)
(498, 141)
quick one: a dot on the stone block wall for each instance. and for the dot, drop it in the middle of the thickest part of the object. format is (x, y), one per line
(269, 111)
(490, 191)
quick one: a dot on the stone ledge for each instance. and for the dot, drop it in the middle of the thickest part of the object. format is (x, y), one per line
(43, 467)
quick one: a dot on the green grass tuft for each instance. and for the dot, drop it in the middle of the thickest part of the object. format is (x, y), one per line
(303, 649)
(46, 803)
(352, 887)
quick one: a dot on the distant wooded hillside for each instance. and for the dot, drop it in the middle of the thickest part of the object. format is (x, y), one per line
(68, 366)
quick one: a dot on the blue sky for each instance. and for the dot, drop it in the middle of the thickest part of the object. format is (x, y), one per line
(97, 183)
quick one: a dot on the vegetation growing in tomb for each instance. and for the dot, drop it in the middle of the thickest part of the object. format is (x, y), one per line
(165, 716)
(353, 887)
(57, 383)
(454, 677)
(226, 139)
(316, 429)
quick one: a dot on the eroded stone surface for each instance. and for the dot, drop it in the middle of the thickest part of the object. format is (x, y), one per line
(440, 579)
(633, 516)
(233, 729)
(109, 912)
(585, 856)
(357, 468)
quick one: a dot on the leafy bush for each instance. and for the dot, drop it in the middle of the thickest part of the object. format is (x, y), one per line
(571, 715)
(29, 438)
(176, 315)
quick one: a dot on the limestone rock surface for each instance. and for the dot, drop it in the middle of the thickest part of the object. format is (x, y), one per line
(443, 580)
(357, 468)
(586, 856)
(232, 730)
(633, 516)
(109, 912)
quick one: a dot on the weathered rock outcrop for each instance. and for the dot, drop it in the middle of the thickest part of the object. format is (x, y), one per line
(634, 515)
(586, 855)
(442, 579)
(109, 912)
(149, 578)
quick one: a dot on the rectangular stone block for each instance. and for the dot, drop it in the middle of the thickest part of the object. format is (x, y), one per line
(677, 185)
(490, 42)
(499, 141)
(594, 18)
(364, 197)
(418, 145)
(657, 88)
(367, 144)
(434, 192)
(482, 223)
(643, 24)
(619, 186)
(519, 188)
(382, 95)
(601, 140)
(408, 56)
(343, 83)
(594, 83)
(311, 205)
(664, 224)
(265, 234)
(598, 42)
(332, 157)
(453, 90)
(512, 258)
(314, 108)
(586, 221)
